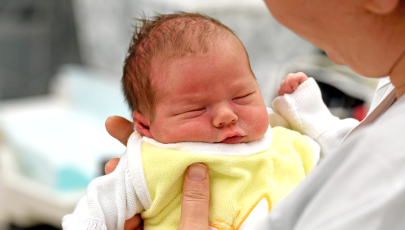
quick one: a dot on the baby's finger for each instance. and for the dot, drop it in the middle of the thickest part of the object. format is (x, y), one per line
(281, 91)
(293, 82)
(301, 77)
(284, 88)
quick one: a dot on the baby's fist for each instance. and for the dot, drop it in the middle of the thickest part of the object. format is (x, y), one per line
(291, 83)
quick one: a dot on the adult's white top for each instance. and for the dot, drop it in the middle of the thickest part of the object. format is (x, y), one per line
(360, 184)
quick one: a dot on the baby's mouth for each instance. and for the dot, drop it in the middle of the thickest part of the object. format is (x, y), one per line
(232, 140)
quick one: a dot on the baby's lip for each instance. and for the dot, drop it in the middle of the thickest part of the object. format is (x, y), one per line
(233, 139)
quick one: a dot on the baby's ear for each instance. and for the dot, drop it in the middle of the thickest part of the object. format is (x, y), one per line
(381, 7)
(142, 124)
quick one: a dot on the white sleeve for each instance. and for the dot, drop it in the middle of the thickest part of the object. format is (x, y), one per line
(276, 119)
(316, 149)
(110, 200)
(306, 113)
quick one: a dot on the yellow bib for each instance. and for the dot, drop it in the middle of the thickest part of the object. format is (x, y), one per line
(237, 183)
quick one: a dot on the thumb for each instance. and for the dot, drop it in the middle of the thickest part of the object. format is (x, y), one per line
(196, 196)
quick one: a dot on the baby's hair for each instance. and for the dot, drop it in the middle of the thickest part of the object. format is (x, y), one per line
(164, 37)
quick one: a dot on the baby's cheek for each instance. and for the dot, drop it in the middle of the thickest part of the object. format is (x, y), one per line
(262, 123)
(193, 132)
(167, 135)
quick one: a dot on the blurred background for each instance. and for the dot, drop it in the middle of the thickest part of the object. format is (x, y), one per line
(60, 69)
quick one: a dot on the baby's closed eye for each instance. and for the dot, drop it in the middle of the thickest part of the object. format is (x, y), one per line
(194, 112)
(243, 99)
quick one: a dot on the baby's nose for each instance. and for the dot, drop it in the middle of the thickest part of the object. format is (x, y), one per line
(224, 116)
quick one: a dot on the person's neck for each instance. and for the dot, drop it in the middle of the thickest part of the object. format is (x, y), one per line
(397, 76)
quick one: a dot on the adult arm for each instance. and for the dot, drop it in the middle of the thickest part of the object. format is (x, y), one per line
(360, 186)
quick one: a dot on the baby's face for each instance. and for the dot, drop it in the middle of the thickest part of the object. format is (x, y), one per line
(211, 98)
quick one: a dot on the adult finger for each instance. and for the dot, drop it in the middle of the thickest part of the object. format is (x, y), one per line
(119, 128)
(111, 165)
(134, 223)
(196, 196)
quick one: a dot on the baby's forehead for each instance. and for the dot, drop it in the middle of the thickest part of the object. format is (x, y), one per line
(180, 38)
(164, 73)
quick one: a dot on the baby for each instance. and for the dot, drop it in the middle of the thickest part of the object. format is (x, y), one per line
(194, 98)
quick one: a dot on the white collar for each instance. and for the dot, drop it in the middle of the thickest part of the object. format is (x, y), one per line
(241, 149)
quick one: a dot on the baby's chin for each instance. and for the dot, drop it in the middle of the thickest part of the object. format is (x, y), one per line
(253, 139)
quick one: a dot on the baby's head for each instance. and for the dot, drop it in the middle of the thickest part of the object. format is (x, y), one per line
(187, 77)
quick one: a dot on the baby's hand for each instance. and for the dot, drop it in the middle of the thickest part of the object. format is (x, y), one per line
(291, 83)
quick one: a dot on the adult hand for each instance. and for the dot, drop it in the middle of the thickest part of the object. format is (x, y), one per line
(194, 208)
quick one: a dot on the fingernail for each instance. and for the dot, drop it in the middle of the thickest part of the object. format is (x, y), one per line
(197, 172)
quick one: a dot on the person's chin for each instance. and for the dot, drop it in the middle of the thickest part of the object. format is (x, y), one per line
(335, 58)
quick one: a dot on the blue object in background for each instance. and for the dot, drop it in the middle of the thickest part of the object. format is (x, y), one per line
(70, 178)
(60, 140)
